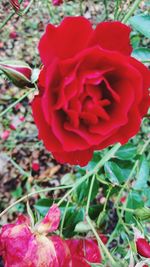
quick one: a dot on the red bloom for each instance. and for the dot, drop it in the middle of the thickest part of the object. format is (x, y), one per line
(57, 2)
(143, 247)
(83, 251)
(92, 92)
(22, 246)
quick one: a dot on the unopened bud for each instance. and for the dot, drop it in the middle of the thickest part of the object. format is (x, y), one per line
(57, 2)
(18, 72)
(15, 4)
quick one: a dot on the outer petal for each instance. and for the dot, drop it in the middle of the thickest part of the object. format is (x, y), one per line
(83, 250)
(112, 36)
(51, 221)
(45, 132)
(145, 75)
(65, 40)
(62, 251)
(75, 158)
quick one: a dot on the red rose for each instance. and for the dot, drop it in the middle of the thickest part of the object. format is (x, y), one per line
(92, 92)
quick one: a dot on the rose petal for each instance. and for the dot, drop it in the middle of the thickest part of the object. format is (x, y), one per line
(62, 251)
(45, 132)
(113, 36)
(65, 40)
(51, 221)
(75, 158)
(83, 250)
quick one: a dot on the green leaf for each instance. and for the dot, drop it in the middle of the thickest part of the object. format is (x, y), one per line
(126, 152)
(143, 174)
(17, 193)
(113, 172)
(81, 193)
(142, 54)
(68, 178)
(135, 39)
(43, 205)
(142, 24)
(135, 201)
(74, 215)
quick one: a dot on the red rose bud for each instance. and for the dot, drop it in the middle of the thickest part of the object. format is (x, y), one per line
(57, 2)
(83, 251)
(122, 200)
(25, 247)
(143, 247)
(35, 166)
(91, 90)
(18, 72)
(15, 4)
(13, 35)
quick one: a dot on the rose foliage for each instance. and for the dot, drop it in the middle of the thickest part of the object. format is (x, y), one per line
(26, 246)
(92, 93)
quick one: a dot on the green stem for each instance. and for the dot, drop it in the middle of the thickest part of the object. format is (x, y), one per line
(81, 8)
(24, 173)
(131, 11)
(31, 194)
(16, 102)
(106, 9)
(63, 219)
(110, 154)
(89, 195)
(27, 8)
(8, 18)
(102, 213)
(101, 244)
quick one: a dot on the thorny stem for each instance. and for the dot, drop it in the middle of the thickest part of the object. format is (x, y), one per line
(63, 218)
(104, 207)
(31, 194)
(24, 173)
(131, 11)
(8, 18)
(16, 102)
(89, 195)
(81, 8)
(28, 7)
(101, 244)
